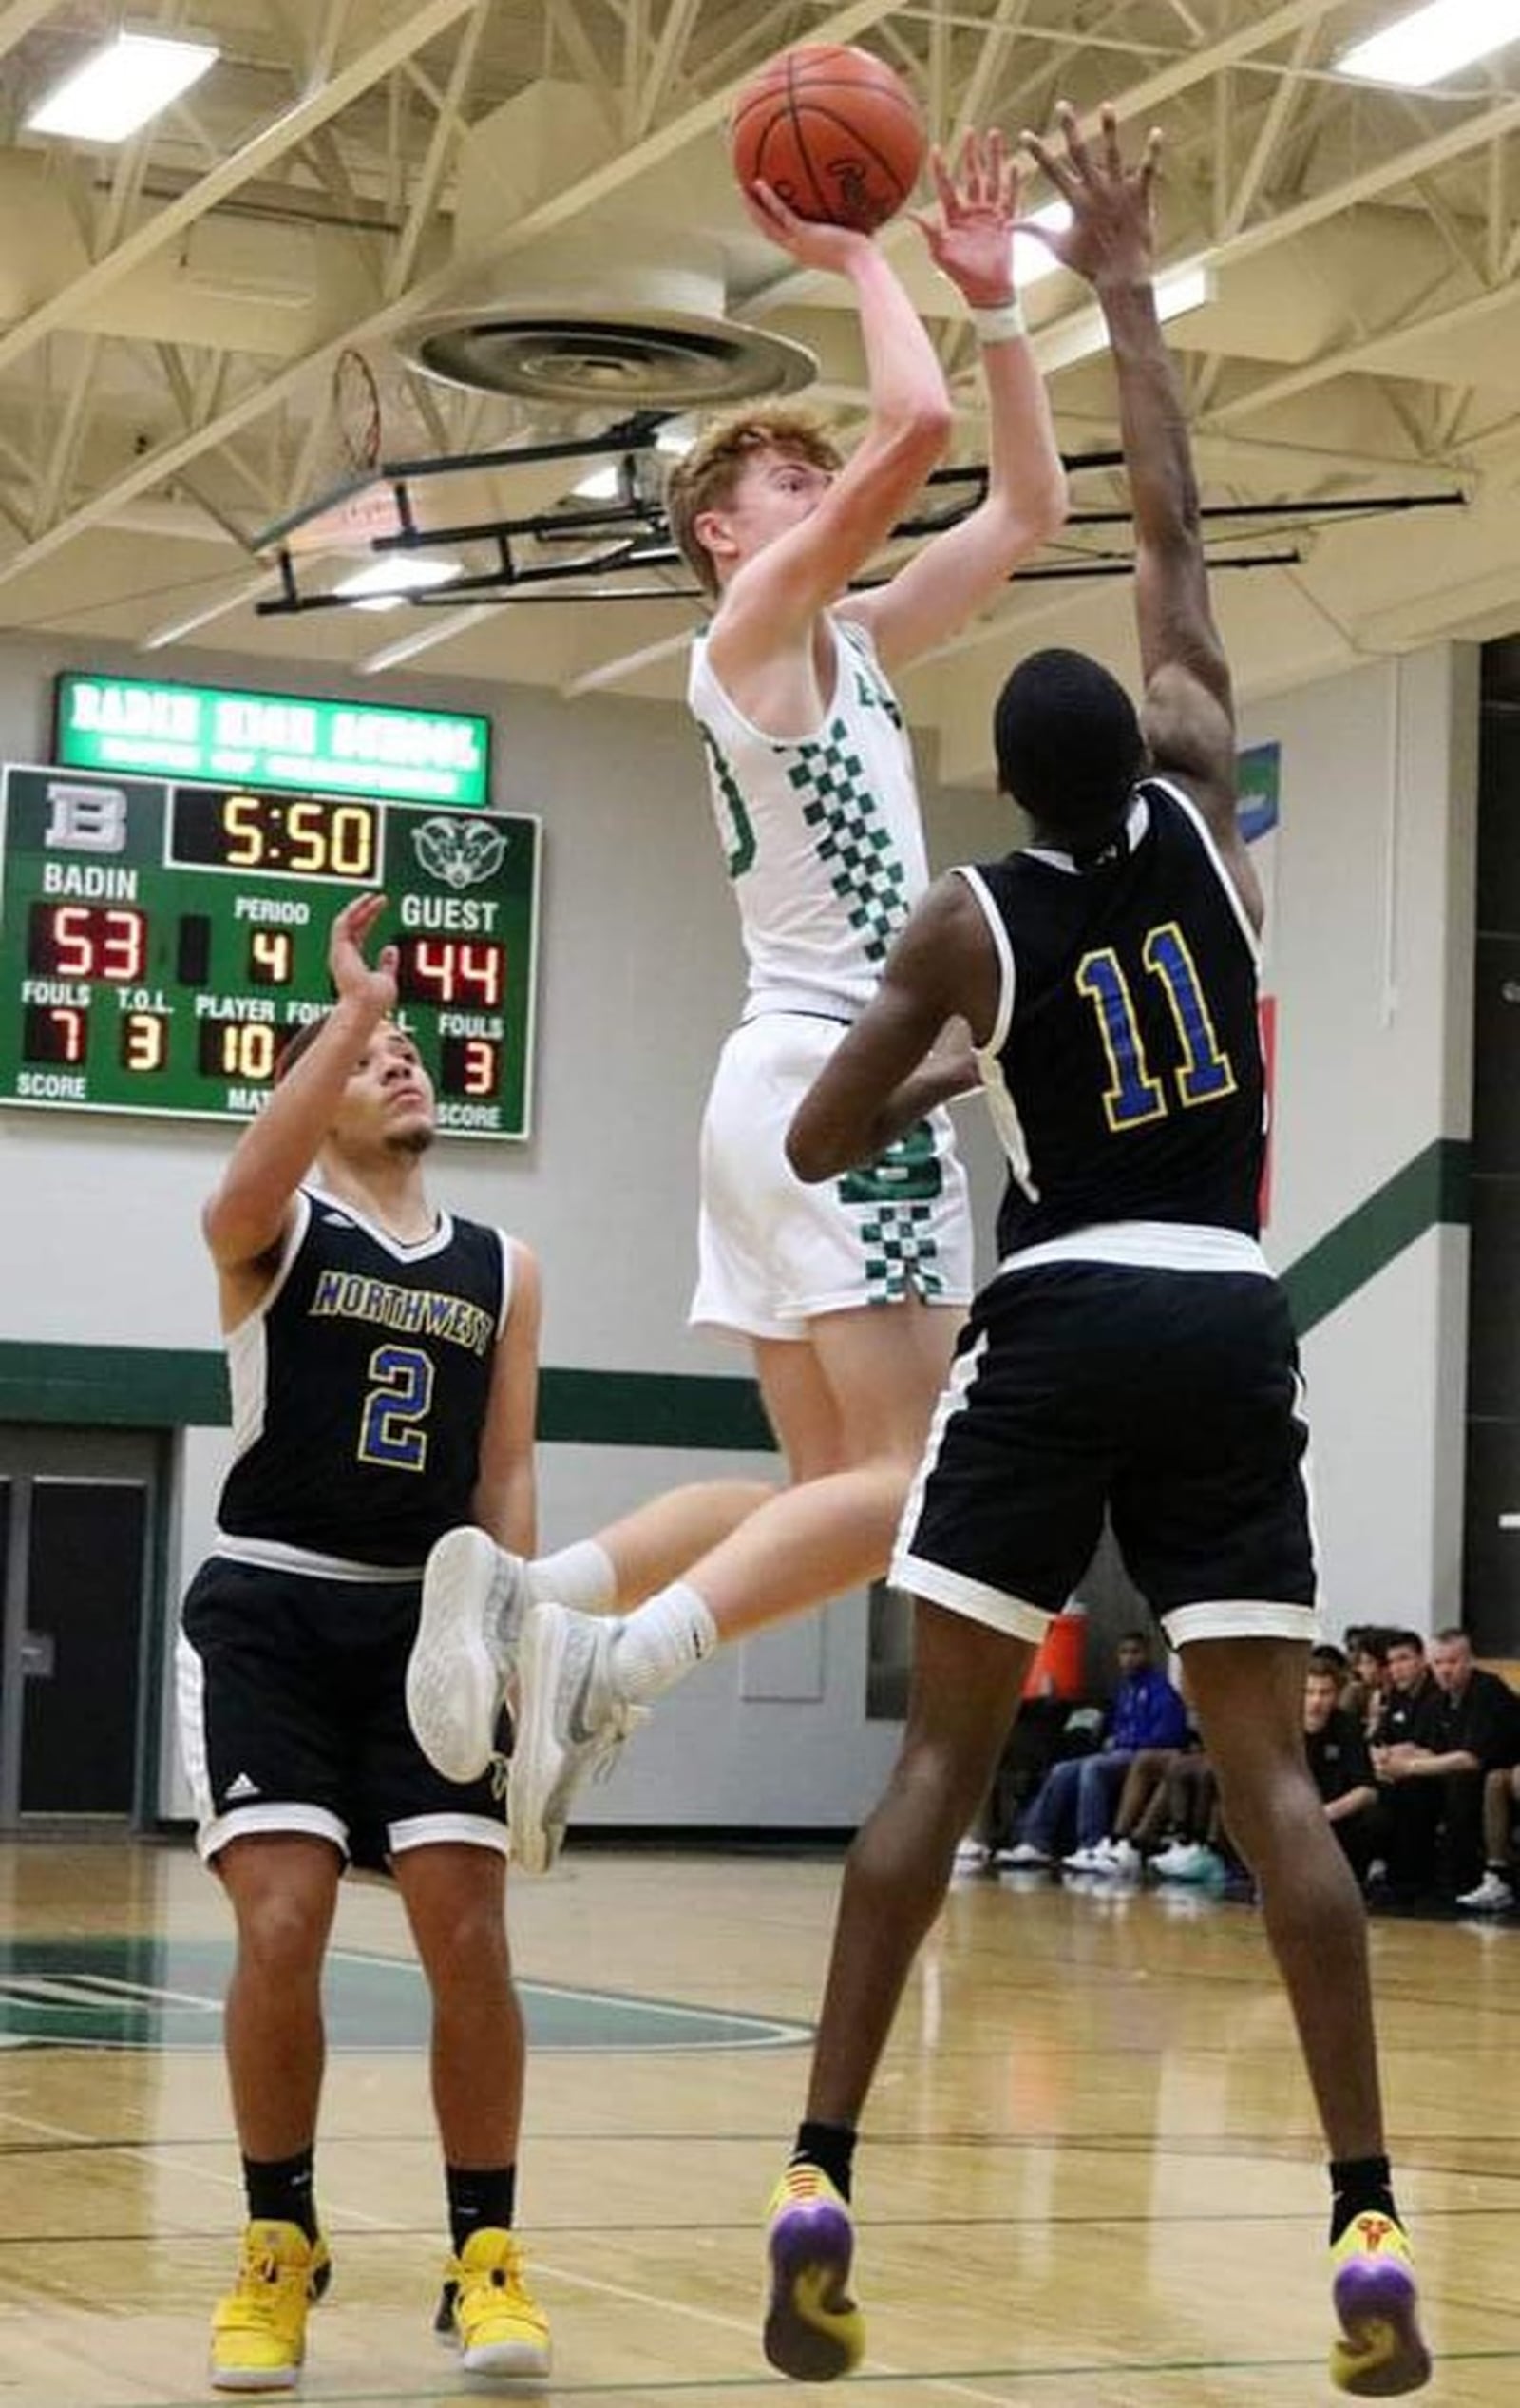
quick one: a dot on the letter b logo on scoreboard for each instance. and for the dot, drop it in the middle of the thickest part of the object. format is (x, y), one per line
(85, 818)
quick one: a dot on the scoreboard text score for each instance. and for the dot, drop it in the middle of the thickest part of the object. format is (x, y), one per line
(158, 942)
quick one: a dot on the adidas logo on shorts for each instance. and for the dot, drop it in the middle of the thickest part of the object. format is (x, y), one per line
(241, 1787)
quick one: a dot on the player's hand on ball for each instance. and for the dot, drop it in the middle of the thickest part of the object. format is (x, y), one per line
(811, 243)
(970, 235)
(354, 978)
(1111, 236)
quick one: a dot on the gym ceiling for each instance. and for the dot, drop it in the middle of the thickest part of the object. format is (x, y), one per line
(173, 309)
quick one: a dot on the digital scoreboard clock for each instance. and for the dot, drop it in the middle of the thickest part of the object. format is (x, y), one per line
(158, 941)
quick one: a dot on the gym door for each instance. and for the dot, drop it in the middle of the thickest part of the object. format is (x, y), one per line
(77, 1521)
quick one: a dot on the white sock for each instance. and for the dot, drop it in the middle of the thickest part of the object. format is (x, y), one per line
(580, 1575)
(659, 1643)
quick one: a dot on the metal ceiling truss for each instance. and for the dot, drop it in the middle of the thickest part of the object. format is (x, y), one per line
(631, 534)
(262, 393)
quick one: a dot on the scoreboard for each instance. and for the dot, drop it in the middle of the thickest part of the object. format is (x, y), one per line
(159, 941)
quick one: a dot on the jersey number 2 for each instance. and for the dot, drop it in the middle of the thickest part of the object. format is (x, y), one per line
(1205, 1073)
(391, 1429)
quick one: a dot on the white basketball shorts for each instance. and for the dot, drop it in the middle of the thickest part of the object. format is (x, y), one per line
(774, 1254)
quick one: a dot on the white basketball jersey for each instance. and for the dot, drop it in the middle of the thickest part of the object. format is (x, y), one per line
(822, 833)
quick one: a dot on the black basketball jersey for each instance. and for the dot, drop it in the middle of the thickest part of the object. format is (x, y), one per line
(360, 1384)
(1125, 1074)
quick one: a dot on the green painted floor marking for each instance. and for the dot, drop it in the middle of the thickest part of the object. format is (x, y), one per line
(166, 1994)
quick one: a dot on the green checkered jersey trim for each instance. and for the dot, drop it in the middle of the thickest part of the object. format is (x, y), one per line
(872, 692)
(851, 840)
(901, 1254)
(820, 833)
(740, 849)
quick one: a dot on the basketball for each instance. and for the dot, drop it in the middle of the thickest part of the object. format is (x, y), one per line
(836, 132)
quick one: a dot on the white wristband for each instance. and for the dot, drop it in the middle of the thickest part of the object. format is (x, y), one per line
(1003, 324)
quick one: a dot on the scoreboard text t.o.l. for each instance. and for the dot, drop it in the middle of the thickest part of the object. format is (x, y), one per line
(158, 942)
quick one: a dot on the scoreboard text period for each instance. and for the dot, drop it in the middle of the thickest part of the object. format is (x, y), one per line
(158, 942)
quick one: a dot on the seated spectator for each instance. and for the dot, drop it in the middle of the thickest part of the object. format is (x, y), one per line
(1494, 1893)
(1198, 1846)
(1050, 1723)
(1365, 1693)
(1350, 1696)
(1045, 1730)
(1339, 1762)
(1406, 1686)
(1409, 1687)
(1146, 1711)
(1195, 1843)
(1461, 1725)
(1139, 1817)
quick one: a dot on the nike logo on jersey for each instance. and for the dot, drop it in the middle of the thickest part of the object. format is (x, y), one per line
(241, 1787)
(336, 1220)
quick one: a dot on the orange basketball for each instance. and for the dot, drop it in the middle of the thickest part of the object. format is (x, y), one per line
(836, 132)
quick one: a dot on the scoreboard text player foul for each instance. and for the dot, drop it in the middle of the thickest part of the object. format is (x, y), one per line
(159, 940)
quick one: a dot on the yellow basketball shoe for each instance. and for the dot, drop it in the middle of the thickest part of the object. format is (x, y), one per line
(813, 2329)
(498, 2323)
(258, 2331)
(1379, 2350)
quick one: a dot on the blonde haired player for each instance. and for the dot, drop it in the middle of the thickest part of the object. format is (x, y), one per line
(851, 1296)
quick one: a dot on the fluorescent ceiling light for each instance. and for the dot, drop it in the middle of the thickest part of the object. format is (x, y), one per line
(386, 583)
(1032, 259)
(603, 485)
(1434, 42)
(1183, 288)
(1188, 286)
(120, 86)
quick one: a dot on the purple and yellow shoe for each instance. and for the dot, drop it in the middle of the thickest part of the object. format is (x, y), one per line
(814, 2332)
(1379, 2350)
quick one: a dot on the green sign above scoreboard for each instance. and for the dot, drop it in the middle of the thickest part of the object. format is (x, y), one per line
(286, 741)
(158, 942)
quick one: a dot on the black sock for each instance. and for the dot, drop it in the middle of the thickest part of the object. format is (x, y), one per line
(831, 2148)
(1359, 2187)
(279, 2190)
(480, 2198)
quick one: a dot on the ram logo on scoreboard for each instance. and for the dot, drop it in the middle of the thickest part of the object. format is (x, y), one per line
(159, 940)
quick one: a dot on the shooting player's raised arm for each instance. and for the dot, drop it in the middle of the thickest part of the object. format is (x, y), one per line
(772, 601)
(955, 575)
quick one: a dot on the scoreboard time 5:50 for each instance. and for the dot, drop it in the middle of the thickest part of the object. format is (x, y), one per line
(158, 941)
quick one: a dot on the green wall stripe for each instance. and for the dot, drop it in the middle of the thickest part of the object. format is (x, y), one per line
(153, 1387)
(146, 1387)
(162, 1387)
(1432, 1190)
(652, 1408)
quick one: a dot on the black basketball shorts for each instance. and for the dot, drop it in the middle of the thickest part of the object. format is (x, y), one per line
(1169, 1399)
(292, 1716)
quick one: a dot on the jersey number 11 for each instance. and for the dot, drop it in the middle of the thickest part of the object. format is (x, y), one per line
(1205, 1075)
